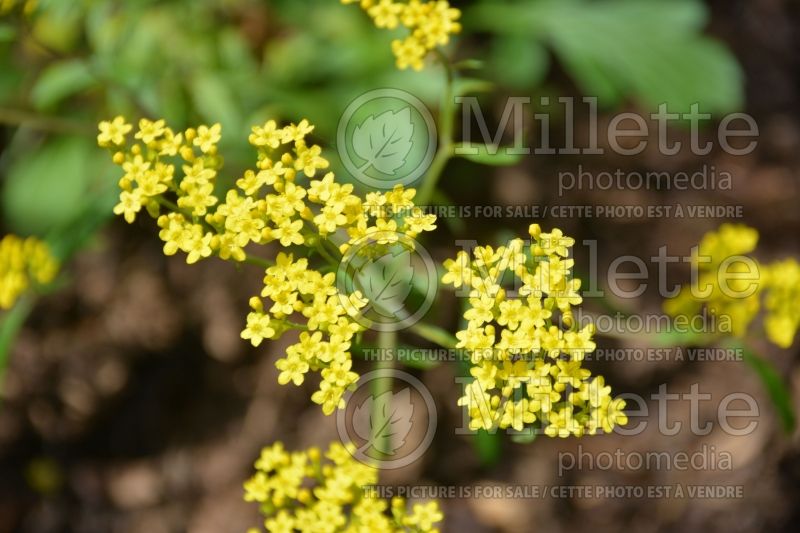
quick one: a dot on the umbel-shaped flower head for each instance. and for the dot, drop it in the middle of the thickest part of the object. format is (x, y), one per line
(24, 264)
(286, 200)
(310, 491)
(524, 346)
(730, 284)
(429, 24)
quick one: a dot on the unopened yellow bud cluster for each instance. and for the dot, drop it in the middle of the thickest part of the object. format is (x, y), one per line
(282, 200)
(314, 492)
(24, 264)
(730, 283)
(430, 24)
(527, 369)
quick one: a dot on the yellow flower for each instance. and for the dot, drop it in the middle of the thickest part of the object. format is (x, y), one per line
(258, 328)
(297, 132)
(522, 362)
(782, 302)
(429, 24)
(129, 204)
(207, 137)
(112, 133)
(425, 515)
(311, 491)
(309, 160)
(149, 130)
(24, 265)
(280, 201)
(458, 270)
(723, 253)
(386, 13)
(267, 135)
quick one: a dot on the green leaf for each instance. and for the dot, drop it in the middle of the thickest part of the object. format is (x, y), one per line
(384, 141)
(519, 62)
(469, 64)
(216, 102)
(653, 50)
(60, 81)
(678, 337)
(773, 382)
(435, 334)
(464, 86)
(487, 155)
(48, 187)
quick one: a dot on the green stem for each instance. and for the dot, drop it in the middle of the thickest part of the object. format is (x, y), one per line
(10, 324)
(387, 343)
(18, 117)
(320, 246)
(258, 261)
(172, 206)
(445, 150)
(434, 334)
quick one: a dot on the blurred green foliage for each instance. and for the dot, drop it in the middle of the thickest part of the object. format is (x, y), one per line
(237, 62)
(651, 51)
(70, 64)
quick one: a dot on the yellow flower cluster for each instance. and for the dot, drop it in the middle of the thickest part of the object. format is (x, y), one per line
(24, 263)
(730, 284)
(730, 241)
(430, 24)
(782, 301)
(278, 201)
(328, 493)
(527, 370)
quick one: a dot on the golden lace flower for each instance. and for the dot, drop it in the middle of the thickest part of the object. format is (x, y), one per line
(527, 369)
(24, 264)
(172, 176)
(782, 301)
(429, 24)
(113, 132)
(731, 284)
(735, 304)
(310, 491)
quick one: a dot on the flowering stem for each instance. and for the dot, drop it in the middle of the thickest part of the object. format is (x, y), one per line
(10, 325)
(445, 150)
(324, 253)
(258, 261)
(172, 206)
(18, 117)
(434, 334)
(387, 341)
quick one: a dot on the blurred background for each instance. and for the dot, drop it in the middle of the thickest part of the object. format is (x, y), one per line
(130, 404)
